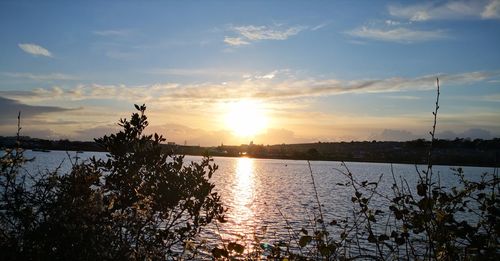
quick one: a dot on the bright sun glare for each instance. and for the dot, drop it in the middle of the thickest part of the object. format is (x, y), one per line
(246, 118)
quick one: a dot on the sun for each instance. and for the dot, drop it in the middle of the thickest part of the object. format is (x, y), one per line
(246, 118)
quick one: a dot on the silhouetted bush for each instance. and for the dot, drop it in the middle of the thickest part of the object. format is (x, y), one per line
(140, 203)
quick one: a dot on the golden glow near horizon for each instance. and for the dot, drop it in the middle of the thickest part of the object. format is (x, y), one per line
(246, 118)
(215, 78)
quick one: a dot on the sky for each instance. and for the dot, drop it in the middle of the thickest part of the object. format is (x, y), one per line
(271, 72)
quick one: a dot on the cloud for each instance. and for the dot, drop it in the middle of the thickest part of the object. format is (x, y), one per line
(492, 10)
(492, 97)
(266, 86)
(394, 135)
(268, 76)
(192, 104)
(267, 33)
(319, 26)
(398, 35)
(10, 108)
(95, 132)
(266, 89)
(235, 41)
(43, 134)
(478, 9)
(34, 49)
(392, 22)
(179, 134)
(404, 135)
(279, 136)
(402, 97)
(214, 72)
(252, 33)
(40, 77)
(474, 133)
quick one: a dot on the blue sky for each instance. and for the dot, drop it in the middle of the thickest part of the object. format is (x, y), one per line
(316, 70)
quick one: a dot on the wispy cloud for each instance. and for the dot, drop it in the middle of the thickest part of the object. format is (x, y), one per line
(402, 97)
(394, 135)
(263, 87)
(492, 10)
(34, 49)
(492, 98)
(478, 9)
(403, 28)
(188, 101)
(319, 26)
(41, 77)
(392, 22)
(10, 108)
(252, 33)
(269, 76)
(474, 133)
(209, 72)
(235, 41)
(398, 34)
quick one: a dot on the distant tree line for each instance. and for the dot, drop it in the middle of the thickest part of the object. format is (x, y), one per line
(446, 152)
(459, 151)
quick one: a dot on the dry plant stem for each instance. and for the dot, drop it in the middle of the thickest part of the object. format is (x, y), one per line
(18, 129)
(367, 219)
(317, 199)
(428, 174)
(403, 182)
(291, 233)
(220, 236)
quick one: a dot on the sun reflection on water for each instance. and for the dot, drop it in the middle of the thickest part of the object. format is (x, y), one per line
(243, 193)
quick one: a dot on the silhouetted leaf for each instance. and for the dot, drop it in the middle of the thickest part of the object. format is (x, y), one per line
(218, 252)
(304, 240)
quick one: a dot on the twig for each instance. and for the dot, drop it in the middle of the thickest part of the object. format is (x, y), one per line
(317, 199)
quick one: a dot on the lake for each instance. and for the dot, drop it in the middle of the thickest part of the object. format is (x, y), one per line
(262, 195)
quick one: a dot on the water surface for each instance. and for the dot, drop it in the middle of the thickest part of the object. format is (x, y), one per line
(264, 196)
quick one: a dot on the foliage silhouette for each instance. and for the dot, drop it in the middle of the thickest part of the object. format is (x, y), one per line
(140, 203)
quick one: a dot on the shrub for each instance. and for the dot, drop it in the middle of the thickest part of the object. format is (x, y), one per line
(140, 203)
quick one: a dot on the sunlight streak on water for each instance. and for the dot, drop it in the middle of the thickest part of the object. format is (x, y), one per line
(243, 193)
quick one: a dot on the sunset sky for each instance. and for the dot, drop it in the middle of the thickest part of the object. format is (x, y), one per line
(271, 72)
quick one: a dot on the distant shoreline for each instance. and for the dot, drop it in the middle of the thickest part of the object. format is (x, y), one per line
(459, 152)
(306, 159)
